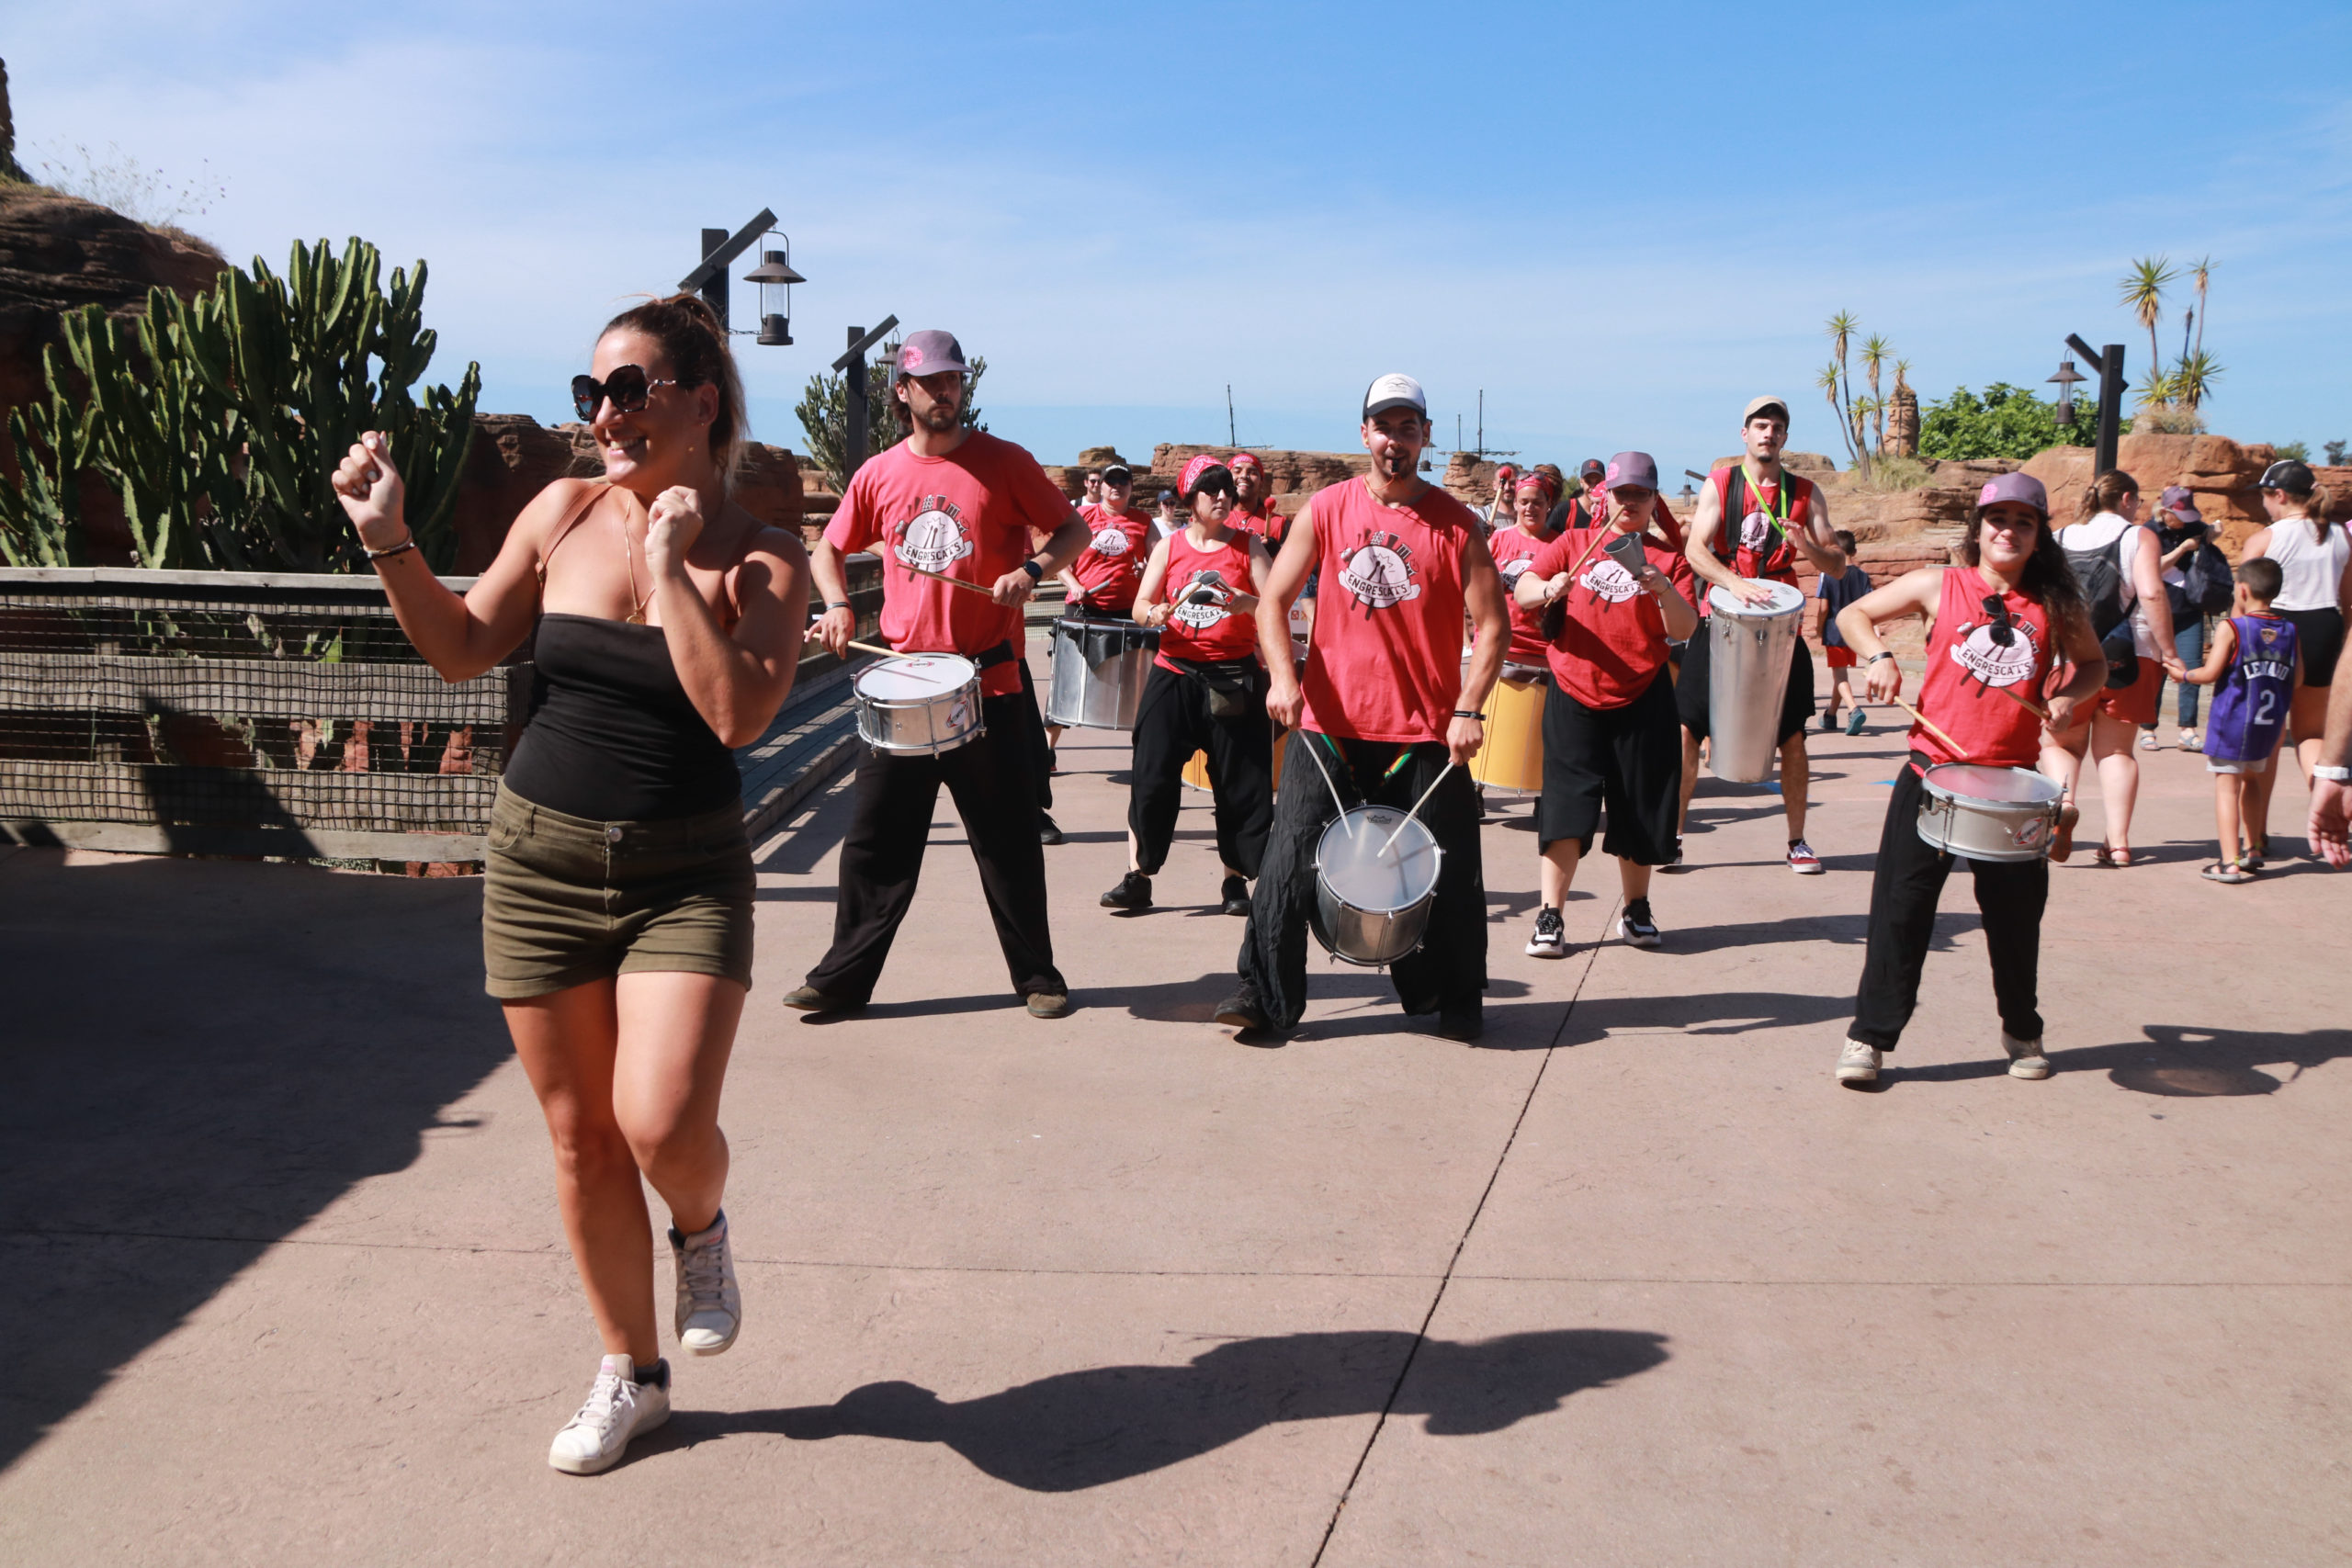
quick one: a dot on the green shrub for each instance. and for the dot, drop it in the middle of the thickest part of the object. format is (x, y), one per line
(2006, 421)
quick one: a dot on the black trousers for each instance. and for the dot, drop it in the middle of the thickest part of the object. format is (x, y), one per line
(1903, 888)
(1449, 971)
(890, 827)
(1173, 721)
(1041, 750)
(1693, 680)
(1628, 759)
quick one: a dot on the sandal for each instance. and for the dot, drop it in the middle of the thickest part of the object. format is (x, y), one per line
(2063, 844)
(2108, 855)
(2227, 871)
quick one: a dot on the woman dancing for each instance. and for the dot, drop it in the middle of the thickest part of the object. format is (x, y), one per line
(617, 903)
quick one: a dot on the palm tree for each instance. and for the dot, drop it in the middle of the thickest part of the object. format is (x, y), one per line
(2144, 293)
(1841, 327)
(2199, 276)
(1829, 380)
(1876, 350)
(2195, 379)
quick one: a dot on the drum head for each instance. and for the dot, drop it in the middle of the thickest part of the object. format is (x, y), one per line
(1787, 600)
(915, 678)
(1996, 786)
(1350, 861)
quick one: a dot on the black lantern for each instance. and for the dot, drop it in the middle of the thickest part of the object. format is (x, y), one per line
(774, 271)
(2066, 377)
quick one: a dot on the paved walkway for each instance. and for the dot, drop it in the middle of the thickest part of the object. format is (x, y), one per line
(1632, 1283)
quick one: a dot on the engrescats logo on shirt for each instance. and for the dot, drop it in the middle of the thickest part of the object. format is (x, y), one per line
(1513, 570)
(1987, 661)
(1755, 530)
(1379, 572)
(1112, 541)
(1207, 611)
(1609, 582)
(934, 538)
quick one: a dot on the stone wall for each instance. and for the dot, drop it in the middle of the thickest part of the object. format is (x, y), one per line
(515, 458)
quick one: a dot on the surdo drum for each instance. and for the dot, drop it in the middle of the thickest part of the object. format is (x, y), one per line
(1981, 813)
(919, 705)
(1371, 907)
(1748, 654)
(1100, 667)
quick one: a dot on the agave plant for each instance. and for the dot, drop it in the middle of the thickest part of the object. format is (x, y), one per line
(2192, 381)
(2159, 388)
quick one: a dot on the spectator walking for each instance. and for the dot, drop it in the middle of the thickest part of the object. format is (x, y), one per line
(2316, 558)
(2256, 662)
(1835, 592)
(2180, 531)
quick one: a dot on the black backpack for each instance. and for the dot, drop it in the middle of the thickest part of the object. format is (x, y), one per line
(2207, 582)
(2101, 571)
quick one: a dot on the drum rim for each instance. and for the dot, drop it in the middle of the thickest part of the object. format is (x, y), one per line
(1947, 791)
(1437, 853)
(1720, 601)
(858, 682)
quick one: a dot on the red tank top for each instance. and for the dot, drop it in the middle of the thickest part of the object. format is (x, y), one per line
(1207, 629)
(1514, 551)
(1966, 658)
(1752, 539)
(1385, 660)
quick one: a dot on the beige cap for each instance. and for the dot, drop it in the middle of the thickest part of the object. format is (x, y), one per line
(1758, 405)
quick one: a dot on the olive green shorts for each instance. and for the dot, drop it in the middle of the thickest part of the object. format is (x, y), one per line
(566, 901)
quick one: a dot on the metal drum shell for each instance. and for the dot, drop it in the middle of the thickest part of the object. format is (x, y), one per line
(1104, 695)
(1976, 828)
(920, 726)
(1749, 655)
(1375, 936)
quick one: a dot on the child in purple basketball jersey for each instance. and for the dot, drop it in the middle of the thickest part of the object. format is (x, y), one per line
(2258, 663)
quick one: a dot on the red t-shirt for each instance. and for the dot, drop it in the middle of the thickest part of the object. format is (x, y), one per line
(1763, 549)
(1965, 658)
(1384, 662)
(1514, 550)
(1111, 567)
(1207, 630)
(1613, 637)
(966, 514)
(1267, 523)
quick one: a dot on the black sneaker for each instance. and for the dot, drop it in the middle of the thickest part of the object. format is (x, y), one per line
(808, 998)
(1551, 938)
(1242, 1010)
(1047, 832)
(1462, 1024)
(1134, 892)
(1236, 895)
(1637, 926)
(1676, 863)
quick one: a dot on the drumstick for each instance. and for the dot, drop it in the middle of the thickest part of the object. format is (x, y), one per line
(951, 582)
(869, 648)
(1418, 804)
(2034, 708)
(1327, 780)
(1958, 750)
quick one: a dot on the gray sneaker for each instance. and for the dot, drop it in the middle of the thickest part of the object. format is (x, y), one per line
(1858, 1063)
(710, 1309)
(2026, 1060)
(619, 1409)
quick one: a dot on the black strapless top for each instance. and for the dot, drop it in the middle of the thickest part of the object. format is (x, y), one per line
(612, 736)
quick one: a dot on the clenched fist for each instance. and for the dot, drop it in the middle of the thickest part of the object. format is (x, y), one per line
(370, 490)
(673, 525)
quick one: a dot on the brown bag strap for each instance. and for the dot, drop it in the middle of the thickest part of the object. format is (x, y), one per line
(571, 519)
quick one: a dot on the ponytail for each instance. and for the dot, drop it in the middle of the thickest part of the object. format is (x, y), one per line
(693, 340)
(2107, 493)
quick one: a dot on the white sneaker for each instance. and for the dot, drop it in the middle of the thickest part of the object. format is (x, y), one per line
(2026, 1060)
(710, 1309)
(619, 1409)
(1858, 1063)
(1551, 938)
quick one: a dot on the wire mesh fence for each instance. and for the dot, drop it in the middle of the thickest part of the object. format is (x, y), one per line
(237, 713)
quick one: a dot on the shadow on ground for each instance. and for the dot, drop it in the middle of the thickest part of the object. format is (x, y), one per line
(201, 1056)
(1075, 1430)
(2176, 1061)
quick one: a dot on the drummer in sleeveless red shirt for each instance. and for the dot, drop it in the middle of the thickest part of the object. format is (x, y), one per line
(1101, 583)
(1610, 735)
(1755, 519)
(1384, 706)
(958, 501)
(1998, 624)
(1253, 503)
(1207, 693)
(1514, 547)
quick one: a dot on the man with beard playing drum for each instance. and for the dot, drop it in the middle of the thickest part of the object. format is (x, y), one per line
(1386, 711)
(1609, 733)
(1207, 693)
(947, 503)
(1754, 520)
(1997, 625)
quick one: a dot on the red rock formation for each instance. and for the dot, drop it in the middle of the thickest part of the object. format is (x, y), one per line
(2219, 472)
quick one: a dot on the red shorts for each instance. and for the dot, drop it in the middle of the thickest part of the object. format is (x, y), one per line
(2136, 703)
(1839, 658)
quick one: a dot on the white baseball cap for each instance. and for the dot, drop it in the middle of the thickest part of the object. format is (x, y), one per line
(1396, 391)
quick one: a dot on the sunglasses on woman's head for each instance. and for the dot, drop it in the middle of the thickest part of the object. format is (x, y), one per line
(626, 387)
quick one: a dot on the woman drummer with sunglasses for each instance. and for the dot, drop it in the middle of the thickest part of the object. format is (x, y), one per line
(1997, 627)
(665, 623)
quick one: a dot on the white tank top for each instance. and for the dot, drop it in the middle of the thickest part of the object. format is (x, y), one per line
(2312, 570)
(2101, 533)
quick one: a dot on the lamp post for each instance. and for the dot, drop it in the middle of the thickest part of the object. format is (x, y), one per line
(719, 249)
(774, 271)
(2109, 364)
(2066, 377)
(856, 405)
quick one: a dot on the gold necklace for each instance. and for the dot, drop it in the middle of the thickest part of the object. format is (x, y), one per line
(635, 616)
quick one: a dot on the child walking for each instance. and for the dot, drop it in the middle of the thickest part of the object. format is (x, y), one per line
(2258, 664)
(1836, 594)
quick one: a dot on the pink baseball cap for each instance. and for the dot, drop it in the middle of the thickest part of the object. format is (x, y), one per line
(2023, 488)
(929, 353)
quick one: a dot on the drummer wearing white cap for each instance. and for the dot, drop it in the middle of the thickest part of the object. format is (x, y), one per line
(1755, 520)
(1386, 711)
(1998, 624)
(950, 509)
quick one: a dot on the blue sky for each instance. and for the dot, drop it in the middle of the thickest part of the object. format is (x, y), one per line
(1618, 221)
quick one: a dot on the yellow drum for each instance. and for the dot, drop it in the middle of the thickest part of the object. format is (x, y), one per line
(1512, 757)
(1196, 771)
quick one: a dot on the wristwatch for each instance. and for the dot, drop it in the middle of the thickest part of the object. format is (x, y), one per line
(2334, 775)
(1037, 573)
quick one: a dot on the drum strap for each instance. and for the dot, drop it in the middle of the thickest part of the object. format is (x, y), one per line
(1000, 654)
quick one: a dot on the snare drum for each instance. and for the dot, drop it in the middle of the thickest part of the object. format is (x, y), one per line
(1371, 905)
(1097, 673)
(1981, 813)
(919, 705)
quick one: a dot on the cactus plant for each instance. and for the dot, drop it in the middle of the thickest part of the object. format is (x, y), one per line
(219, 428)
